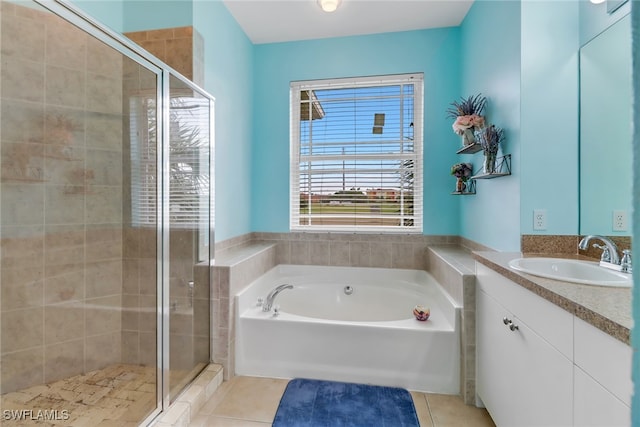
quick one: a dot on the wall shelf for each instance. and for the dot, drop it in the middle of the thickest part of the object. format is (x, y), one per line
(468, 191)
(470, 149)
(503, 168)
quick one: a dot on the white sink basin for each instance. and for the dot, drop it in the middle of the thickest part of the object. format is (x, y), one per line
(571, 270)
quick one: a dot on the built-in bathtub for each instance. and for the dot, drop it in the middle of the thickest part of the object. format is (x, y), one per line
(368, 335)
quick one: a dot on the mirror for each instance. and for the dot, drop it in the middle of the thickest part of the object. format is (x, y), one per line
(605, 132)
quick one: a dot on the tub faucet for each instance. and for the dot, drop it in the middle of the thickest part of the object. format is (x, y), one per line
(268, 302)
(614, 258)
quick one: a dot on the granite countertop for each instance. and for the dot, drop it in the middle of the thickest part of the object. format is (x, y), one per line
(606, 308)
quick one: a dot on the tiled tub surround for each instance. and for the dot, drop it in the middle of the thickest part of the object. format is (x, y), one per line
(606, 308)
(241, 260)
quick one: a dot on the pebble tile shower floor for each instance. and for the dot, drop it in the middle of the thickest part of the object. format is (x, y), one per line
(118, 395)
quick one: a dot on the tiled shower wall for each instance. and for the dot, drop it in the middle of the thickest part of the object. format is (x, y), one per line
(180, 47)
(61, 197)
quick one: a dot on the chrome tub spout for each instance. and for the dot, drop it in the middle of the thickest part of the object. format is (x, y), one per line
(268, 303)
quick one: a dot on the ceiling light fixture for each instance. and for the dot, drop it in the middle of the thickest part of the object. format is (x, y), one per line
(329, 5)
(597, 1)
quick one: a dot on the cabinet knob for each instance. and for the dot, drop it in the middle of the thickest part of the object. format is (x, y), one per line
(506, 321)
(513, 326)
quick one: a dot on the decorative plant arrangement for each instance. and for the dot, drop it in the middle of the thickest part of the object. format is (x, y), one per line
(489, 139)
(468, 115)
(462, 171)
(477, 134)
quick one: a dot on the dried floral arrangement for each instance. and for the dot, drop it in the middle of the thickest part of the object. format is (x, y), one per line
(489, 139)
(468, 113)
(462, 171)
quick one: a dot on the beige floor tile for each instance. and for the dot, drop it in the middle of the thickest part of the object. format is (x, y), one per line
(251, 398)
(213, 421)
(450, 411)
(213, 402)
(422, 410)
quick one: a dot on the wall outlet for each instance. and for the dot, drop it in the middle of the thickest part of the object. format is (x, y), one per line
(619, 220)
(539, 219)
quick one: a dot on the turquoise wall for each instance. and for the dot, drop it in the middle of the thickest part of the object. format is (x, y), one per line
(490, 46)
(154, 14)
(106, 12)
(434, 52)
(549, 108)
(229, 68)
(635, 332)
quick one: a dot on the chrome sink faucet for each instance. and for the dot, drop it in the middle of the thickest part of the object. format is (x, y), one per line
(610, 257)
(268, 303)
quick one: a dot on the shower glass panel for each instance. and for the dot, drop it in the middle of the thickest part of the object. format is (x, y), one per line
(78, 225)
(190, 147)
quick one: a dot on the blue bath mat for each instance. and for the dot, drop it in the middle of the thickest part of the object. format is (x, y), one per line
(315, 403)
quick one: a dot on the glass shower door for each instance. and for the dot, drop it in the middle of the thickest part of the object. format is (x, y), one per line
(189, 219)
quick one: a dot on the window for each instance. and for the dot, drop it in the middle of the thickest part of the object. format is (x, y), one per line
(356, 154)
(189, 151)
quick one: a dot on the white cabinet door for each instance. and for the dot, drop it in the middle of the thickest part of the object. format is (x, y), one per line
(521, 378)
(596, 406)
(495, 359)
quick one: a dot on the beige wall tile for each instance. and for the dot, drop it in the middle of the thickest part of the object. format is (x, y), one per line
(339, 253)
(63, 360)
(63, 322)
(104, 131)
(65, 87)
(64, 204)
(22, 329)
(104, 94)
(22, 369)
(22, 80)
(102, 350)
(66, 44)
(360, 254)
(103, 242)
(105, 166)
(103, 59)
(103, 315)
(22, 204)
(22, 121)
(104, 205)
(23, 38)
(22, 162)
(103, 278)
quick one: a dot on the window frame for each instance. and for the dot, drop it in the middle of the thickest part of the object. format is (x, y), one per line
(296, 88)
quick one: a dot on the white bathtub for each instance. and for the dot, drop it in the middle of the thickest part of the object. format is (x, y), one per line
(369, 336)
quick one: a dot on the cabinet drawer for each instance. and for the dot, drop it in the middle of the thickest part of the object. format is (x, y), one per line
(604, 358)
(541, 316)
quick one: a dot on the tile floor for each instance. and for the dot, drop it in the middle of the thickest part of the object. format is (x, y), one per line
(118, 395)
(252, 402)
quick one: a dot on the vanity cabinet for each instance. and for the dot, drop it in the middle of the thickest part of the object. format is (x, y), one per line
(521, 378)
(554, 369)
(603, 385)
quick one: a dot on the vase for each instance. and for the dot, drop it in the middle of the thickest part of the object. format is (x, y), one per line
(467, 137)
(489, 163)
(460, 186)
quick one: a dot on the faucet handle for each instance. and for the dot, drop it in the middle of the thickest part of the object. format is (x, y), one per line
(625, 263)
(606, 255)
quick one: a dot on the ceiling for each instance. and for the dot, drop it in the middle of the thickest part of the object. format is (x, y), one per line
(270, 21)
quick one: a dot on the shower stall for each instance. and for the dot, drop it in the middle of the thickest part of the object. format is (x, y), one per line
(106, 223)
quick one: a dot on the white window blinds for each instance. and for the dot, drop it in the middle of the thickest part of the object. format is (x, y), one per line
(356, 154)
(189, 128)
